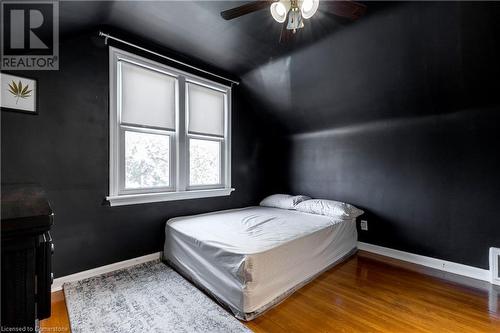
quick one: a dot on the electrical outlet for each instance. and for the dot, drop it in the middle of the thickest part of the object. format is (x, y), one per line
(364, 225)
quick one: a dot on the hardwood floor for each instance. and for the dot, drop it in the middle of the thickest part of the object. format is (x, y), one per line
(370, 293)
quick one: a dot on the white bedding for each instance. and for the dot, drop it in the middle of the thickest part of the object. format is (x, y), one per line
(252, 258)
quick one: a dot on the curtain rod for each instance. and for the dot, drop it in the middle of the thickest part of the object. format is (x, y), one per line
(108, 36)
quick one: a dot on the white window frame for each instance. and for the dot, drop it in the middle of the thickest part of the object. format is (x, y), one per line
(178, 188)
(221, 139)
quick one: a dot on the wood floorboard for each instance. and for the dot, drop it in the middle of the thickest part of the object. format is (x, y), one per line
(369, 293)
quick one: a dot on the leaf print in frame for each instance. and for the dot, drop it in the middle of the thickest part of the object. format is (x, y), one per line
(19, 91)
(19, 94)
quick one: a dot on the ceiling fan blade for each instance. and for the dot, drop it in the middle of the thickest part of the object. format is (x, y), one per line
(245, 9)
(348, 9)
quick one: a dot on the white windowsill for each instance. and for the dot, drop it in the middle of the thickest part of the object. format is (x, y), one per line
(133, 199)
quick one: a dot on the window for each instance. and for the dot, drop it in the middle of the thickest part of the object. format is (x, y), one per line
(169, 133)
(206, 135)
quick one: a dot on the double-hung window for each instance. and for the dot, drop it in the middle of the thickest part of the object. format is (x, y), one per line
(169, 133)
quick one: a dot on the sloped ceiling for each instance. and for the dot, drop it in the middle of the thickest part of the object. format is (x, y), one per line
(400, 60)
(411, 60)
(196, 29)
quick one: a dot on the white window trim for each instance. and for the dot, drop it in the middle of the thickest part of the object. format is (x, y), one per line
(179, 188)
(133, 199)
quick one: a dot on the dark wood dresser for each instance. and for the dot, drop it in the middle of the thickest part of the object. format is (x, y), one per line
(26, 219)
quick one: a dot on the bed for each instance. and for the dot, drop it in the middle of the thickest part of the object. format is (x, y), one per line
(251, 259)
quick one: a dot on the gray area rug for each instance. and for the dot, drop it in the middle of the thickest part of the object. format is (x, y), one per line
(149, 297)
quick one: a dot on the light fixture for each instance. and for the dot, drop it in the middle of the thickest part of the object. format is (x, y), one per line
(309, 8)
(279, 10)
(292, 14)
(294, 20)
(299, 10)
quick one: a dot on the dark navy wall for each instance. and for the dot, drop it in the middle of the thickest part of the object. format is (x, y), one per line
(400, 114)
(430, 185)
(65, 149)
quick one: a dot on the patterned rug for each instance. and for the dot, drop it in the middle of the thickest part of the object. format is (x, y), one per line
(149, 297)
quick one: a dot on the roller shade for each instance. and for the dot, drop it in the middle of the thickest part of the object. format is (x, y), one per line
(206, 110)
(148, 97)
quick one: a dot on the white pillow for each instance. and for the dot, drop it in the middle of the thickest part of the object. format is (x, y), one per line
(329, 208)
(284, 201)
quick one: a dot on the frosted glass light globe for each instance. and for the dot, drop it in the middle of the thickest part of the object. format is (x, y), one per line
(309, 8)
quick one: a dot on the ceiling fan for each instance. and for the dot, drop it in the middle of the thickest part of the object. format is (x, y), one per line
(292, 13)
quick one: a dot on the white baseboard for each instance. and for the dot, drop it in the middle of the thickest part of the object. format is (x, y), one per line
(58, 283)
(443, 265)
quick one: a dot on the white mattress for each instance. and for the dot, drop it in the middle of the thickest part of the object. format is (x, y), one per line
(252, 258)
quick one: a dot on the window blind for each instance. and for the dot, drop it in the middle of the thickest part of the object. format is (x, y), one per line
(206, 110)
(148, 97)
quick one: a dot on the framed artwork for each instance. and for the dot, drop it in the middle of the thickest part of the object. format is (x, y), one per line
(18, 94)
